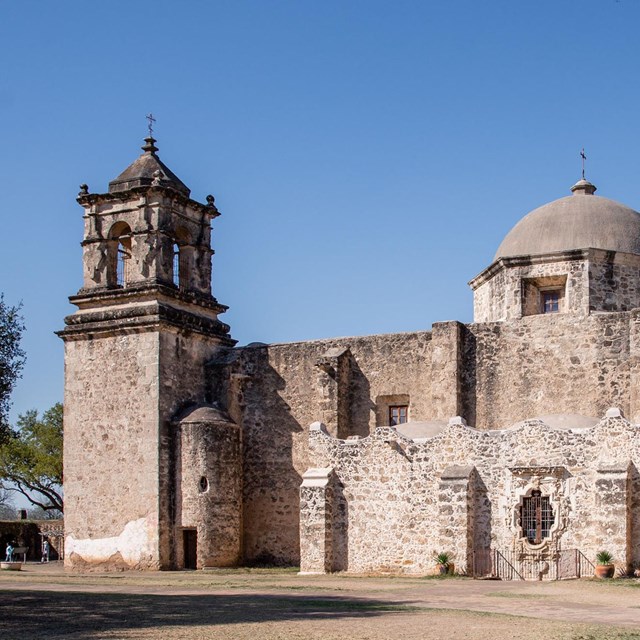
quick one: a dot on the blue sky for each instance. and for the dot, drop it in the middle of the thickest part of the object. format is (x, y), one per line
(368, 157)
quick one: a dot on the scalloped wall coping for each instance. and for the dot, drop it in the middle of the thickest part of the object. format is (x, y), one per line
(458, 423)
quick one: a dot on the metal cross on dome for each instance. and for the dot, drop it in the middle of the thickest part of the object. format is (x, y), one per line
(584, 157)
(151, 120)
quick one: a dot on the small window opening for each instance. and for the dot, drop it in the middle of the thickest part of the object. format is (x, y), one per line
(122, 265)
(203, 484)
(176, 265)
(550, 301)
(546, 294)
(536, 517)
(180, 266)
(398, 414)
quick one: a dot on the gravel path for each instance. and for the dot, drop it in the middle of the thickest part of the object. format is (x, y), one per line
(44, 602)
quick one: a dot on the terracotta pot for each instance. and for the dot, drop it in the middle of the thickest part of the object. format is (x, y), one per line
(604, 570)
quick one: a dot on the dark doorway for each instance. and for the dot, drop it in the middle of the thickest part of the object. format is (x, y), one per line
(190, 542)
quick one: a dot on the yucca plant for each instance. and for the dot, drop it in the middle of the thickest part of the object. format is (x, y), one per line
(443, 558)
(604, 557)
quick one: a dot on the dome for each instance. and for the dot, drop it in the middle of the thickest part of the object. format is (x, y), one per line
(579, 221)
(204, 413)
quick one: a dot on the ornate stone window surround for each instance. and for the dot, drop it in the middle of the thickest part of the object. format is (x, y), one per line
(547, 480)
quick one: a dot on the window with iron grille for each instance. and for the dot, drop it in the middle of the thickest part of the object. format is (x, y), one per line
(398, 414)
(180, 272)
(122, 265)
(176, 265)
(536, 517)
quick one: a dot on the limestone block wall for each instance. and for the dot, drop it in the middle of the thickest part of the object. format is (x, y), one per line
(111, 461)
(180, 219)
(316, 518)
(210, 490)
(547, 364)
(397, 503)
(499, 292)
(613, 281)
(181, 364)
(274, 391)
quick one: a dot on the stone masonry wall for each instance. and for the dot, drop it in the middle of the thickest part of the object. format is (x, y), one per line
(210, 488)
(400, 513)
(613, 281)
(274, 393)
(111, 425)
(183, 356)
(493, 374)
(500, 297)
(546, 364)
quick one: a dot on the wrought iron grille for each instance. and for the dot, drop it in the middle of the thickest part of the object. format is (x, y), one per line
(179, 267)
(508, 564)
(536, 517)
(122, 266)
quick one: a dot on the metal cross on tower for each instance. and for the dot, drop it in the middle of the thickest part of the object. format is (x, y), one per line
(584, 157)
(151, 120)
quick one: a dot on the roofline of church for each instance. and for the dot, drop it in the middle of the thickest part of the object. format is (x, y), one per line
(543, 258)
(85, 199)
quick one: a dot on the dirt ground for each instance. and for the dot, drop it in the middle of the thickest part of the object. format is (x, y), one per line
(43, 602)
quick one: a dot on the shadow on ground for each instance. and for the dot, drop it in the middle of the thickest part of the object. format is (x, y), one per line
(44, 614)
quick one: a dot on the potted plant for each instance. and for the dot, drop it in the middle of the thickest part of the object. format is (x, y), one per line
(604, 567)
(444, 563)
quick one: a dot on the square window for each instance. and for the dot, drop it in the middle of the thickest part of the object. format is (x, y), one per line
(398, 414)
(544, 294)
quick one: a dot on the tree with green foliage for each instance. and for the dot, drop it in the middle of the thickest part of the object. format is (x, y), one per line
(31, 458)
(12, 359)
(7, 508)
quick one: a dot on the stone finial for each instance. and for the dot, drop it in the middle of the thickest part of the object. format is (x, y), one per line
(84, 190)
(211, 203)
(583, 187)
(150, 146)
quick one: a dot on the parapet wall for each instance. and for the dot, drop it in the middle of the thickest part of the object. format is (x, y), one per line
(398, 502)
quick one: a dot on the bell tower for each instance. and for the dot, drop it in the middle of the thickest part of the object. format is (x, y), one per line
(135, 352)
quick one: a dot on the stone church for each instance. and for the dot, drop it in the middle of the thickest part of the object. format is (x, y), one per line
(511, 443)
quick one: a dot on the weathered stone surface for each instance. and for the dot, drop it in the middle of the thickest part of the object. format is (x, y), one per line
(409, 500)
(180, 448)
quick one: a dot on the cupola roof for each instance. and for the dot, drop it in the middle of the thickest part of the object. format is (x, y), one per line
(148, 170)
(579, 221)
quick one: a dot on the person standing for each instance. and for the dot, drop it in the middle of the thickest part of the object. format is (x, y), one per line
(9, 553)
(45, 551)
